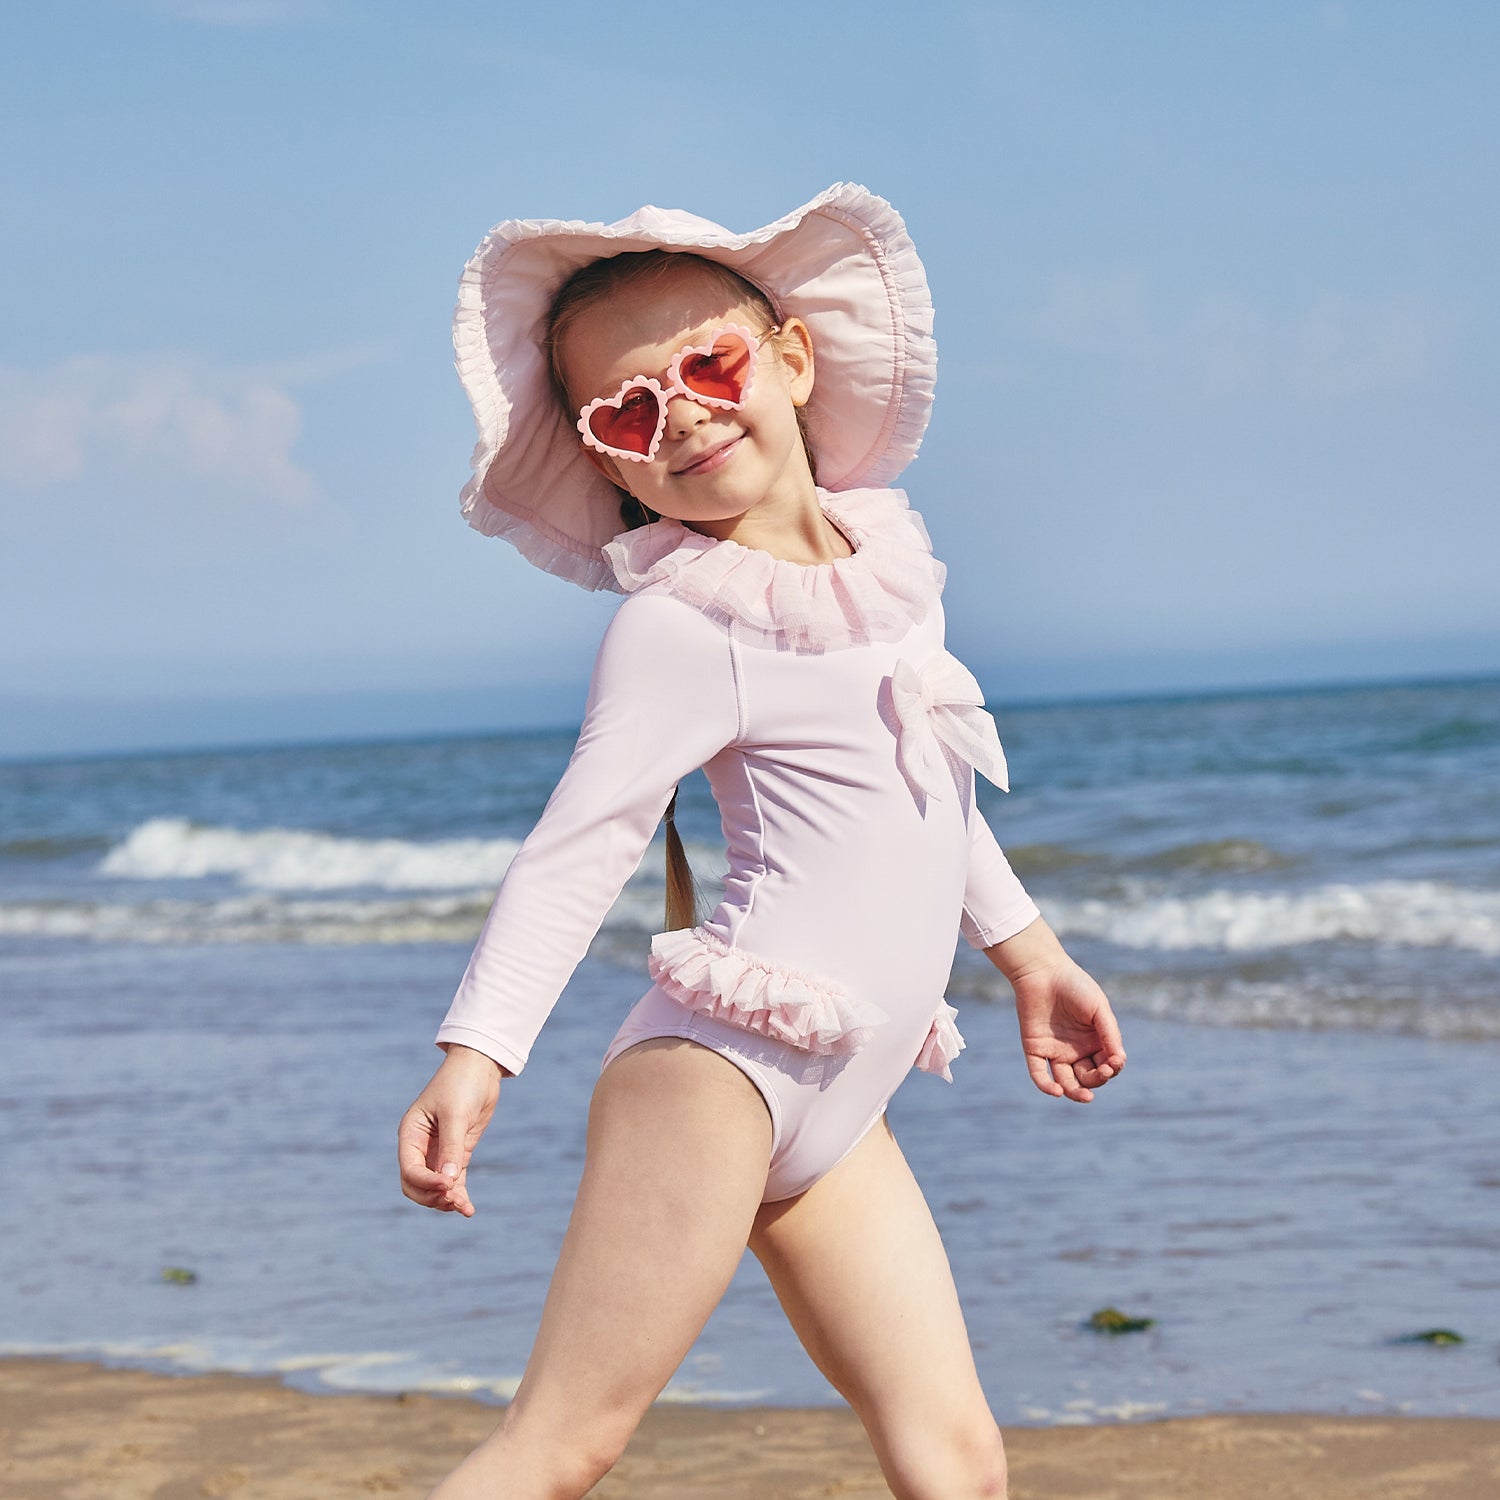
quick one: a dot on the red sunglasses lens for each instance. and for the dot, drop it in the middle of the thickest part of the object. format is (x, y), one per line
(720, 375)
(630, 426)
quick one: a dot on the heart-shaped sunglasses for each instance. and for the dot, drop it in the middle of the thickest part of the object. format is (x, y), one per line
(715, 371)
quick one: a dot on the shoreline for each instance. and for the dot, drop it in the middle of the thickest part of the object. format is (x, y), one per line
(73, 1430)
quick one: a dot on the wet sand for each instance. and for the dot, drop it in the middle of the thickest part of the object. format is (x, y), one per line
(73, 1431)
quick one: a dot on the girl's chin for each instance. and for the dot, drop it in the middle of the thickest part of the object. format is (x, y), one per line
(719, 505)
(706, 518)
(733, 492)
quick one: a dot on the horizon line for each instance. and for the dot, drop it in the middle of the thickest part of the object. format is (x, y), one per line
(1074, 698)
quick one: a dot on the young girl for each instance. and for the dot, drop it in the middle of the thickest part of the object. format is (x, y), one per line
(705, 422)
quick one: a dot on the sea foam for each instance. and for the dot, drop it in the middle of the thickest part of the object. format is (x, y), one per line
(290, 859)
(299, 885)
(1384, 913)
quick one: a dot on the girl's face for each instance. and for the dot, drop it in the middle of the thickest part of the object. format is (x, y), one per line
(713, 465)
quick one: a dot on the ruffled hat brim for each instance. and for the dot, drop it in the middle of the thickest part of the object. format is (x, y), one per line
(843, 263)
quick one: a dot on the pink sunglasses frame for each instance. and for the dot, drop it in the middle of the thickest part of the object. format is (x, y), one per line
(673, 387)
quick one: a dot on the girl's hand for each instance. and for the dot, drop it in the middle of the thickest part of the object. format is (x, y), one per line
(1068, 1031)
(439, 1132)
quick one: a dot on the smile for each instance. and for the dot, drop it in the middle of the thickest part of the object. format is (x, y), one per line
(713, 459)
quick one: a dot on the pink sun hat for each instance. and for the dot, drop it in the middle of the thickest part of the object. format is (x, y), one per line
(843, 263)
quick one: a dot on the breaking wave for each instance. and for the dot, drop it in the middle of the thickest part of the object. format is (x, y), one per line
(290, 859)
(295, 885)
(1386, 913)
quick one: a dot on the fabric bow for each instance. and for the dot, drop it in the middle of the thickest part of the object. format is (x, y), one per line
(941, 706)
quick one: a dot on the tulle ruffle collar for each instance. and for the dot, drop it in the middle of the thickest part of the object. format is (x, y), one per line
(889, 582)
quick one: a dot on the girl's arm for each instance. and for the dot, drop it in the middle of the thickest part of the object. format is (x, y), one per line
(1068, 1031)
(996, 905)
(439, 1132)
(663, 701)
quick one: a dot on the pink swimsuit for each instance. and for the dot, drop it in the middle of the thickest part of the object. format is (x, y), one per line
(839, 739)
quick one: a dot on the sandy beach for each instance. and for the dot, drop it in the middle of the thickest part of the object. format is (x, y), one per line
(72, 1431)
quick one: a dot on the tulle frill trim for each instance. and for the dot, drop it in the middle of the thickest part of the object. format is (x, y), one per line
(889, 583)
(943, 1043)
(701, 971)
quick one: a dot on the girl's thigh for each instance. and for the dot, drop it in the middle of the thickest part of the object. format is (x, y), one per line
(861, 1271)
(679, 1142)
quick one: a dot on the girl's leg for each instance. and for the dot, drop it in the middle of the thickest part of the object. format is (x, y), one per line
(858, 1265)
(679, 1141)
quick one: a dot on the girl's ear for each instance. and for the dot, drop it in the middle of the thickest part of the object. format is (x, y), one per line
(795, 350)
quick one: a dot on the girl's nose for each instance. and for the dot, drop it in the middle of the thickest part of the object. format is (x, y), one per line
(684, 415)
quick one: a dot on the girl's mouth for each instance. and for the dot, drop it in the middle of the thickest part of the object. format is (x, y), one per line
(713, 459)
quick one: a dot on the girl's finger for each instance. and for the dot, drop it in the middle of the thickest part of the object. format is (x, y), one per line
(456, 1194)
(419, 1182)
(1037, 1067)
(452, 1144)
(1064, 1074)
(1111, 1044)
(424, 1180)
(426, 1197)
(411, 1158)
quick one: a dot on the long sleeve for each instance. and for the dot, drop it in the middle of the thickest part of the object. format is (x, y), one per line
(996, 905)
(663, 701)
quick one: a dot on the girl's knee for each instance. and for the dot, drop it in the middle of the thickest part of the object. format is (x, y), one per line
(603, 1445)
(983, 1455)
(591, 1448)
(946, 1459)
(528, 1456)
(583, 1462)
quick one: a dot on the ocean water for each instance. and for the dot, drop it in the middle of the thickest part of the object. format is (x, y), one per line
(220, 973)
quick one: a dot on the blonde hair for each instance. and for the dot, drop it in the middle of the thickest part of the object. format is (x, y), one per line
(587, 285)
(682, 889)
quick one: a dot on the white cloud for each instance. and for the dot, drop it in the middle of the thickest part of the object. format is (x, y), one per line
(1336, 346)
(1092, 314)
(1333, 346)
(1342, 346)
(166, 417)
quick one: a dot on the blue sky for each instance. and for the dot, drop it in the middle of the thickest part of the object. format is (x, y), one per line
(1217, 310)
